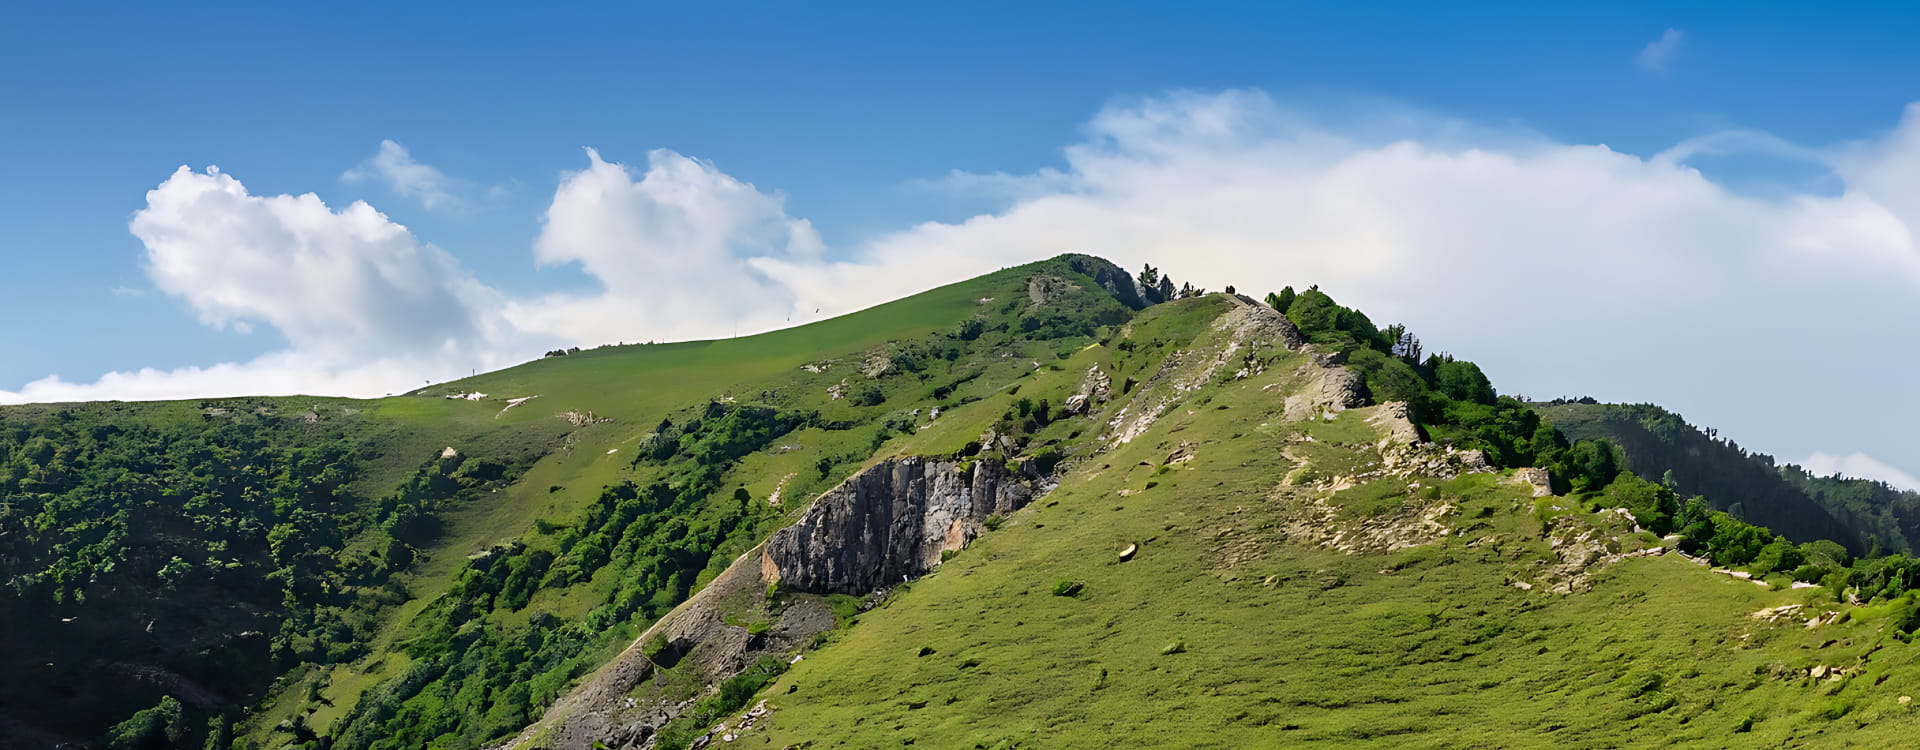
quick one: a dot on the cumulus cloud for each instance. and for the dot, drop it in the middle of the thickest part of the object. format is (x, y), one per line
(395, 168)
(333, 283)
(361, 305)
(676, 249)
(1564, 269)
(1860, 466)
(1659, 52)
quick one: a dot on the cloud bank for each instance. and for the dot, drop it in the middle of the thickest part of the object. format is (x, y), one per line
(1563, 268)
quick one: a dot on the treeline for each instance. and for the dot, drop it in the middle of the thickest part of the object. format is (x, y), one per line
(1869, 517)
(1456, 404)
(1450, 398)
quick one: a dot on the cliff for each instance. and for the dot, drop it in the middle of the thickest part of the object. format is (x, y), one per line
(890, 523)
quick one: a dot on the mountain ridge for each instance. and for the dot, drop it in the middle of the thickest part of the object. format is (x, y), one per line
(493, 558)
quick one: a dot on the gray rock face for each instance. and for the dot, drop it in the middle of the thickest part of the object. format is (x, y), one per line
(890, 522)
(1095, 389)
(1110, 277)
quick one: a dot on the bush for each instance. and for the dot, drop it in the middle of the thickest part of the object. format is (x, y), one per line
(867, 395)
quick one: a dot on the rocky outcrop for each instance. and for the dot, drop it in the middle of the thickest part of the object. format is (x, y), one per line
(1044, 288)
(890, 523)
(1241, 341)
(1095, 389)
(704, 638)
(1110, 277)
(884, 524)
(1329, 389)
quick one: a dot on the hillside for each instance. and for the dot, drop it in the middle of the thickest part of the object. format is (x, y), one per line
(1047, 507)
(1867, 516)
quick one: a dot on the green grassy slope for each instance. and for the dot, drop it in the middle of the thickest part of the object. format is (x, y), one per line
(1234, 626)
(575, 437)
(624, 394)
(1283, 593)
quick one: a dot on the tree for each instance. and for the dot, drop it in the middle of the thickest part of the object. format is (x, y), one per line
(1652, 505)
(1404, 344)
(1282, 300)
(1463, 381)
(1149, 276)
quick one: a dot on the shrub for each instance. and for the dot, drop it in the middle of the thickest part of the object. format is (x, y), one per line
(868, 395)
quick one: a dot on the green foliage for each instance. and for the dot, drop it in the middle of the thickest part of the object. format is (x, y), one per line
(1149, 276)
(1461, 380)
(1324, 321)
(156, 728)
(867, 395)
(1283, 300)
(1861, 516)
(1654, 506)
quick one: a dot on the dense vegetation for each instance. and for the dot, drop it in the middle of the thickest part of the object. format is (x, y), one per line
(196, 550)
(478, 674)
(1728, 524)
(1868, 517)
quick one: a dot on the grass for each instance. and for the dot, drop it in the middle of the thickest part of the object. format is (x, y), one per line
(631, 388)
(1221, 633)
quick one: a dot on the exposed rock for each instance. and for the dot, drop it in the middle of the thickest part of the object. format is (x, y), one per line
(1110, 277)
(878, 365)
(1095, 389)
(1540, 479)
(1244, 336)
(1776, 614)
(1044, 288)
(1395, 420)
(618, 706)
(1581, 548)
(889, 523)
(583, 418)
(1416, 523)
(1330, 389)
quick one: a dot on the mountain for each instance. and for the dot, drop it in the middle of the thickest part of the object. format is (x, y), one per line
(1055, 506)
(1869, 517)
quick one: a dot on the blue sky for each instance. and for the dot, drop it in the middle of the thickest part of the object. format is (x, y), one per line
(861, 122)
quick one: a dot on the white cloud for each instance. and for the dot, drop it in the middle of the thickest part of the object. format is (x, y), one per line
(363, 306)
(1563, 268)
(275, 374)
(1659, 52)
(674, 249)
(333, 283)
(1859, 466)
(407, 178)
